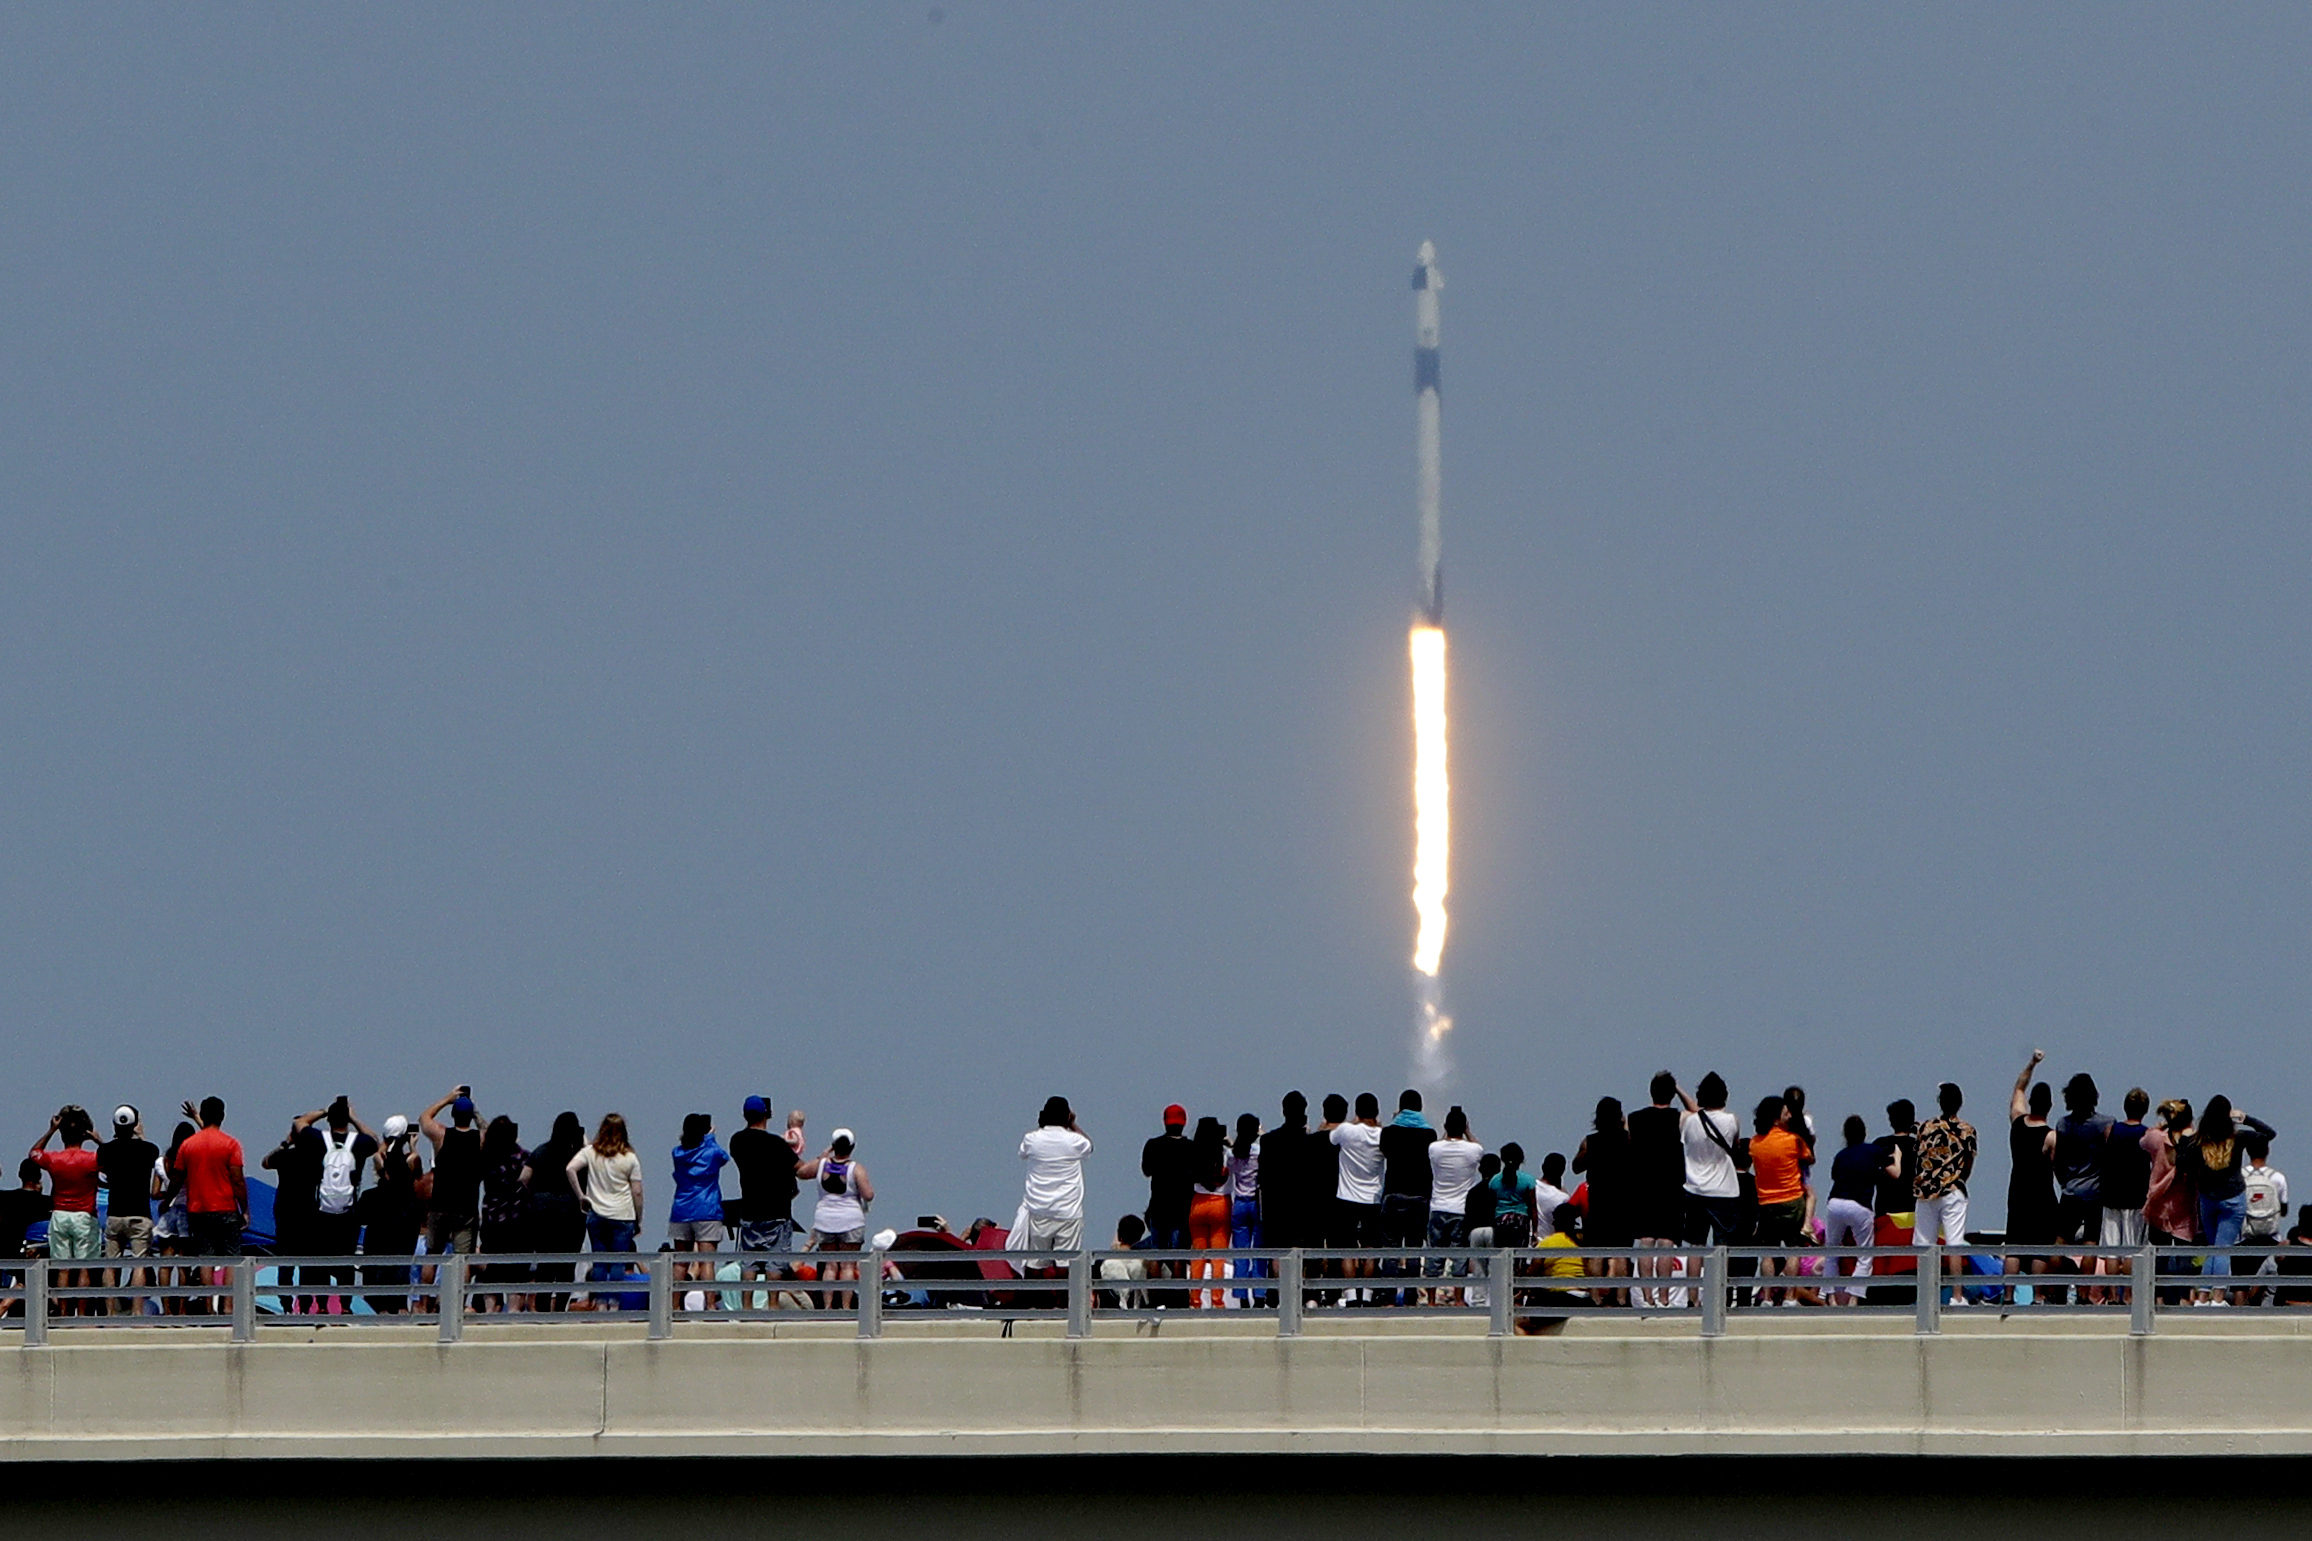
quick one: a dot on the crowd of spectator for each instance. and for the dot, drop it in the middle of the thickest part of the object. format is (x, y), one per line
(1655, 1183)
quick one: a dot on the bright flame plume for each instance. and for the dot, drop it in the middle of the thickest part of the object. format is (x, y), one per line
(1432, 814)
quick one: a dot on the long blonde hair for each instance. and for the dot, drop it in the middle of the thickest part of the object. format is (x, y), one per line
(610, 1139)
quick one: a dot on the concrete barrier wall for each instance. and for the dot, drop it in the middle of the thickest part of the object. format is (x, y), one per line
(100, 1396)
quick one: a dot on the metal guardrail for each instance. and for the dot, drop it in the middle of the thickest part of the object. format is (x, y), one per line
(1504, 1286)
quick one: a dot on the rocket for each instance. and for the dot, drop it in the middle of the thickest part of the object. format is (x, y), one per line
(1426, 427)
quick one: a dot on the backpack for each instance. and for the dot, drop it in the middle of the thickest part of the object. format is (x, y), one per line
(340, 1173)
(2262, 1194)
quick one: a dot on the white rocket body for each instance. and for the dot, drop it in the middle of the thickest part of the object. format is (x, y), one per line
(1427, 432)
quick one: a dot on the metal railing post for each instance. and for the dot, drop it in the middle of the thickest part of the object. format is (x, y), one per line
(1714, 1293)
(1930, 1293)
(660, 1271)
(1501, 1293)
(36, 1302)
(1290, 1288)
(1080, 1295)
(450, 1284)
(2142, 1292)
(870, 1283)
(243, 1272)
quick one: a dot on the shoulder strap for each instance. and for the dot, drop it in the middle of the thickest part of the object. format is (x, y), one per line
(1710, 1128)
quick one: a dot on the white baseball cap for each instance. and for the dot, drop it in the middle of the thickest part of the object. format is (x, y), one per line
(842, 1134)
(396, 1127)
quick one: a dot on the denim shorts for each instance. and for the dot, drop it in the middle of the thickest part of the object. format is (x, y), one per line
(767, 1235)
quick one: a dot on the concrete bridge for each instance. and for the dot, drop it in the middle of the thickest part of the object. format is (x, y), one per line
(2211, 1382)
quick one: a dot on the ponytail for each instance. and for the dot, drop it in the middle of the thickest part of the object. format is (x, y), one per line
(1512, 1162)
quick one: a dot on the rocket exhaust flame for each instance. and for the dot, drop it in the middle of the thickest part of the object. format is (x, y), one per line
(1432, 793)
(1432, 807)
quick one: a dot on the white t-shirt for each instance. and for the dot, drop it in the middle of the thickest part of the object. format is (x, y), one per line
(1360, 1180)
(607, 1179)
(1055, 1159)
(1452, 1173)
(1546, 1202)
(1710, 1171)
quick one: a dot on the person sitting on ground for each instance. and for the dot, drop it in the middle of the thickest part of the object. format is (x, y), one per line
(1129, 1273)
(2295, 1263)
(1566, 1272)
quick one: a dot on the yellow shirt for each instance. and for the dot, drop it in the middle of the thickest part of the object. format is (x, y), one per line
(1562, 1267)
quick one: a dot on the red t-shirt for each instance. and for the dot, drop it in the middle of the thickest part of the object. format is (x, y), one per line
(209, 1159)
(72, 1178)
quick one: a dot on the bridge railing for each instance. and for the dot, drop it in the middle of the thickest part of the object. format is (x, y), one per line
(1512, 1289)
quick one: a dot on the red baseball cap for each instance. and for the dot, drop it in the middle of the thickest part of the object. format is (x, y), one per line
(1175, 1114)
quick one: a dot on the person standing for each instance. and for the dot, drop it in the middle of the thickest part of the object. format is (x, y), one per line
(216, 1184)
(125, 1163)
(1657, 1183)
(453, 1215)
(341, 1149)
(1284, 1158)
(552, 1215)
(2080, 1137)
(767, 1185)
(839, 1220)
(505, 1213)
(2213, 1158)
(1244, 1200)
(694, 1220)
(1208, 1209)
(1713, 1186)
(1847, 1219)
(607, 1177)
(1051, 1212)
(296, 1169)
(73, 1170)
(391, 1217)
(1169, 1165)
(1405, 1185)
(2031, 1219)
(1604, 1158)
(1945, 1153)
(1453, 1164)
(1357, 1201)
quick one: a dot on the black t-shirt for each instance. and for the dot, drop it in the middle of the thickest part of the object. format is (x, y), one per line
(2079, 1146)
(1283, 1188)
(766, 1164)
(126, 1165)
(2125, 1168)
(1169, 1164)
(1322, 1172)
(550, 1173)
(1855, 1172)
(20, 1210)
(1896, 1196)
(297, 1175)
(457, 1176)
(1657, 1160)
(1477, 1210)
(1405, 1161)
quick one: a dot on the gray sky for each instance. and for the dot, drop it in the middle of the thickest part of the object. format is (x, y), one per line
(635, 557)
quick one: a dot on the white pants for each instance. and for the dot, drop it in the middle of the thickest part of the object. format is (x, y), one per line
(1943, 1219)
(1034, 1232)
(1846, 1223)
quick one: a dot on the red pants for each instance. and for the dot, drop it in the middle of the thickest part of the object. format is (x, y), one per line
(1208, 1217)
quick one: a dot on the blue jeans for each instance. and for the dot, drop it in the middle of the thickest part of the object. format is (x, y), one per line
(1244, 1231)
(608, 1236)
(2220, 1221)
